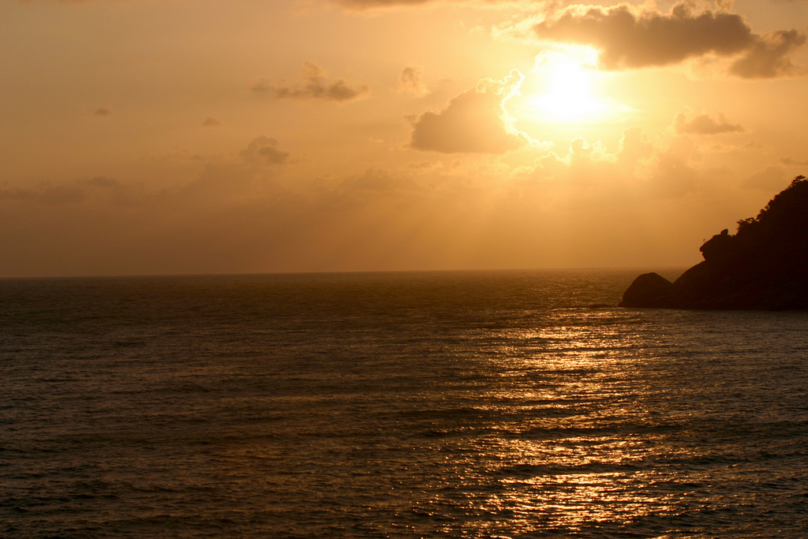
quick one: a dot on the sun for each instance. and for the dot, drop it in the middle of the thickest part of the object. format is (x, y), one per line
(569, 81)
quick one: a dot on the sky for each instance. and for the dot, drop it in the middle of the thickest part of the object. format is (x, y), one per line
(143, 137)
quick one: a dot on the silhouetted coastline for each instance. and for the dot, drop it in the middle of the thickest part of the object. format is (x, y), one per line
(763, 266)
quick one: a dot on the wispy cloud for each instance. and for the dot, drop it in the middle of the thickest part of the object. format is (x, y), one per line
(264, 151)
(704, 124)
(411, 81)
(315, 86)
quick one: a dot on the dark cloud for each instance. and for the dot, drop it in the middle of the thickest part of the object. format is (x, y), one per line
(315, 86)
(474, 122)
(103, 112)
(704, 124)
(768, 56)
(211, 122)
(263, 151)
(630, 37)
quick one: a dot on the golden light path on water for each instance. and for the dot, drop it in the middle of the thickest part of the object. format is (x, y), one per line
(456, 405)
(574, 450)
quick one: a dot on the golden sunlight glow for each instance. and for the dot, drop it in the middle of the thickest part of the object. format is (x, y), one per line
(569, 81)
(267, 137)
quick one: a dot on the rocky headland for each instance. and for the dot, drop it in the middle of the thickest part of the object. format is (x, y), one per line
(763, 266)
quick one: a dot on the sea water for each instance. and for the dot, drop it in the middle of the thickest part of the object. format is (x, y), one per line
(456, 404)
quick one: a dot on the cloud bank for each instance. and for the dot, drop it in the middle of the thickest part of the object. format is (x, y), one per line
(589, 206)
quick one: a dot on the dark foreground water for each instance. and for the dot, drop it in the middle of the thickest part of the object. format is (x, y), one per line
(395, 405)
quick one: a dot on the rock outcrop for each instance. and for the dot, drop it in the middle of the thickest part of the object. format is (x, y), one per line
(763, 266)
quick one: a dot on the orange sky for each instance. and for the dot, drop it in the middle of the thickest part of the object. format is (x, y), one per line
(230, 136)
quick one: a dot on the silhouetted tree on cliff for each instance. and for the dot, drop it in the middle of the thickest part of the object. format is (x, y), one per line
(763, 266)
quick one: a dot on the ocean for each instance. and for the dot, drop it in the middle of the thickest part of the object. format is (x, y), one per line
(445, 404)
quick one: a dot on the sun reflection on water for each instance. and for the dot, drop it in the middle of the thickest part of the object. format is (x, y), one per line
(574, 440)
(458, 406)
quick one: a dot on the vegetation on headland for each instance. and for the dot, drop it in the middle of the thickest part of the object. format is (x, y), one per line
(764, 265)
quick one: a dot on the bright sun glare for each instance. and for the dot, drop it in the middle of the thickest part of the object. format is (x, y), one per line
(569, 83)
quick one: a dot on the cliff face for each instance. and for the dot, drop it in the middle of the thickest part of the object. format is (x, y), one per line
(764, 265)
